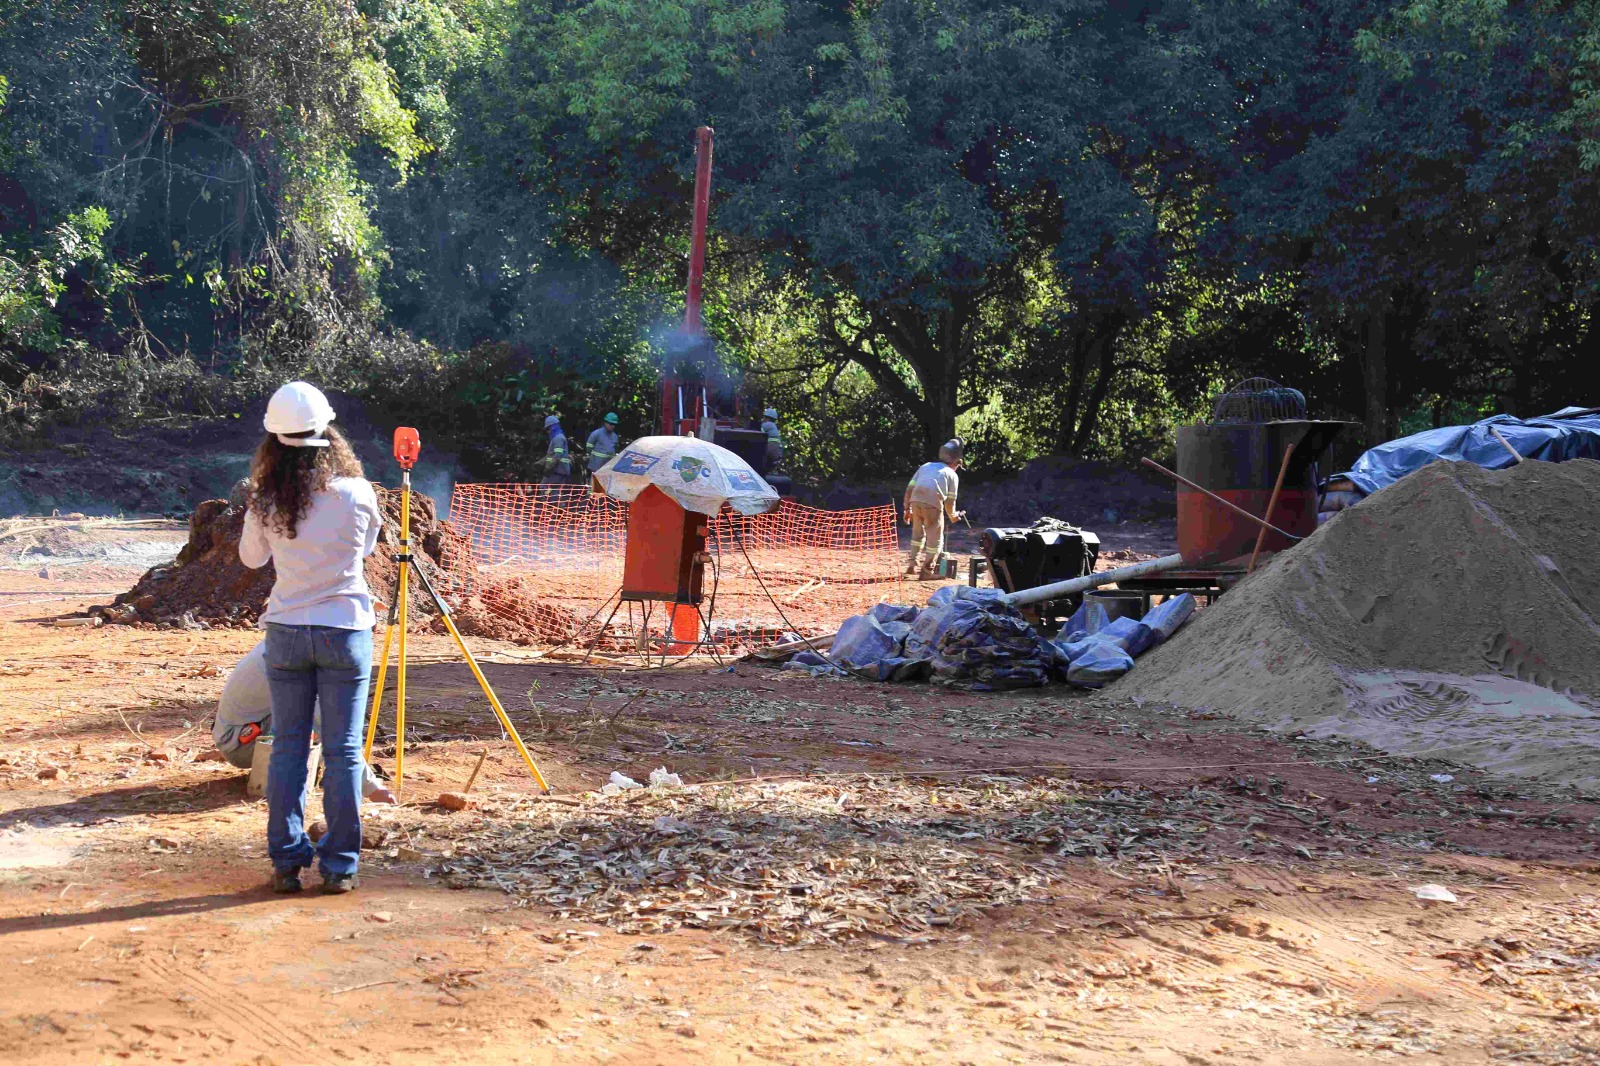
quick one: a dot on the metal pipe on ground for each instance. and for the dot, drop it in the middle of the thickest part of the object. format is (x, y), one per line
(1072, 587)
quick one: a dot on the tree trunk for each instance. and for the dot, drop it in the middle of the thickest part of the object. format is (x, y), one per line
(933, 348)
(1105, 356)
(1077, 371)
(939, 421)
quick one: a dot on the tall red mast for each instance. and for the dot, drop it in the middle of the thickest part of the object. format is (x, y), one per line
(697, 239)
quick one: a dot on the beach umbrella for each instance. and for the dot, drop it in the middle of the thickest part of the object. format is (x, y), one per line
(698, 475)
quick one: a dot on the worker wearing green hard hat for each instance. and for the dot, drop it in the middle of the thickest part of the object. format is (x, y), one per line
(602, 446)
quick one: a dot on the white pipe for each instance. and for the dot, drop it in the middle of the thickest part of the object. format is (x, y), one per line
(1063, 589)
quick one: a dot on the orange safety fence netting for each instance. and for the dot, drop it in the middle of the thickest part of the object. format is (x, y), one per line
(545, 563)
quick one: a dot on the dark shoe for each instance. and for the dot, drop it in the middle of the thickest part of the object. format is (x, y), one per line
(338, 884)
(286, 880)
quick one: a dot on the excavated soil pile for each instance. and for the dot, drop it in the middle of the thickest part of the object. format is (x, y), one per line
(509, 610)
(208, 584)
(1454, 612)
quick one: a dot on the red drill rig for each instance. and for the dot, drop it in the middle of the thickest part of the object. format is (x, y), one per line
(690, 401)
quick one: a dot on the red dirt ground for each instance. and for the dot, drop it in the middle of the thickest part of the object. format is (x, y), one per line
(136, 926)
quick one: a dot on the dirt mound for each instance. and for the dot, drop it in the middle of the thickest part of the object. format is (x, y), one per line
(509, 610)
(207, 584)
(1455, 610)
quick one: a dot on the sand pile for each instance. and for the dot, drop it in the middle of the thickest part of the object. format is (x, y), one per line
(207, 584)
(1454, 610)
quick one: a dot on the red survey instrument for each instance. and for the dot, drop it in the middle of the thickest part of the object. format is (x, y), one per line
(407, 447)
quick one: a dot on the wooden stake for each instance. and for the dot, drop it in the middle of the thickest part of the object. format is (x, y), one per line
(1272, 505)
(1516, 458)
(482, 755)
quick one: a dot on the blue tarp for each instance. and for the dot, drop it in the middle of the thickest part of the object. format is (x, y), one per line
(972, 638)
(1570, 433)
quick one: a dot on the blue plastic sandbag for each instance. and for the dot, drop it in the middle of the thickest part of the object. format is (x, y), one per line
(1168, 617)
(894, 668)
(1129, 634)
(1079, 622)
(1095, 662)
(898, 631)
(814, 671)
(972, 637)
(861, 641)
(953, 593)
(893, 612)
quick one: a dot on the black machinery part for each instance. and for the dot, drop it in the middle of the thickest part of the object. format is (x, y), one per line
(1025, 557)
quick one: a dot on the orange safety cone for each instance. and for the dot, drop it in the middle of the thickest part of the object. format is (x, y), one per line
(685, 629)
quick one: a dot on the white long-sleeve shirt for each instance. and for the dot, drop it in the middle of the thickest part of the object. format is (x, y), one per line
(321, 581)
(934, 485)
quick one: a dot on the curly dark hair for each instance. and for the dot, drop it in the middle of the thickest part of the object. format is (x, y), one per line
(283, 478)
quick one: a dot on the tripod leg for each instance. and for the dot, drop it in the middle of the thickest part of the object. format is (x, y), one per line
(589, 651)
(383, 673)
(377, 693)
(400, 689)
(483, 682)
(402, 601)
(710, 643)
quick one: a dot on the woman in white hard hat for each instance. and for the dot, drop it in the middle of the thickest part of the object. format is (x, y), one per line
(315, 517)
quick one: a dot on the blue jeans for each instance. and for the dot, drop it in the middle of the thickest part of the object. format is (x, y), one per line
(305, 663)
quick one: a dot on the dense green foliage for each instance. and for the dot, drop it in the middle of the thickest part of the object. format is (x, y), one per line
(1053, 226)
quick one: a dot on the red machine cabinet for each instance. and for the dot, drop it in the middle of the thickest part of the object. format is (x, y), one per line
(665, 558)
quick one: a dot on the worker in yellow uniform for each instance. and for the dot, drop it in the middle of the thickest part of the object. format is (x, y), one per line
(930, 504)
(602, 444)
(769, 426)
(557, 466)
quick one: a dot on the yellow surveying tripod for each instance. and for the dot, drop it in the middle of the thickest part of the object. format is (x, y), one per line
(407, 447)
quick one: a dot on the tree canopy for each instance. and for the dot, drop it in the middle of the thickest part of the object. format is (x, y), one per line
(1054, 227)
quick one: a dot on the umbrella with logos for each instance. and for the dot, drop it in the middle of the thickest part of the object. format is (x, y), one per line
(698, 475)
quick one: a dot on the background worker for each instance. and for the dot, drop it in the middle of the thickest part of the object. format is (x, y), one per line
(930, 503)
(315, 518)
(769, 426)
(244, 714)
(557, 465)
(602, 444)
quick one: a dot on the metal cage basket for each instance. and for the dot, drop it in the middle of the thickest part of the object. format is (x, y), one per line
(1255, 400)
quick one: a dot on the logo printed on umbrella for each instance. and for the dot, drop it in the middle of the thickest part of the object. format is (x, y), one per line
(689, 468)
(740, 479)
(635, 463)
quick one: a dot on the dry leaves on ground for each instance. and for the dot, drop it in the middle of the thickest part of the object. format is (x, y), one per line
(803, 862)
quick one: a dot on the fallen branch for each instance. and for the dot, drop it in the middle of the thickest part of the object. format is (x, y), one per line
(357, 988)
(140, 737)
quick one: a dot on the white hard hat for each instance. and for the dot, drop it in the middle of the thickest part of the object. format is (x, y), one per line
(551, 420)
(299, 408)
(771, 412)
(952, 450)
